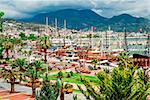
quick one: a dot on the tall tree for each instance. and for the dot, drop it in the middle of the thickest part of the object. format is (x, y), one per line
(1, 21)
(21, 65)
(8, 45)
(126, 82)
(44, 43)
(33, 72)
(94, 62)
(2, 38)
(48, 92)
(10, 74)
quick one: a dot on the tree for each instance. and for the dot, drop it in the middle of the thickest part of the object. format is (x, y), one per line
(94, 62)
(16, 44)
(62, 91)
(34, 71)
(1, 50)
(23, 36)
(60, 75)
(32, 37)
(21, 65)
(48, 92)
(1, 21)
(8, 45)
(121, 85)
(75, 97)
(44, 43)
(124, 60)
(10, 74)
(1, 46)
(126, 82)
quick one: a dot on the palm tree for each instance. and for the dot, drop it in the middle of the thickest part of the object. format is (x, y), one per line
(7, 46)
(44, 44)
(38, 65)
(94, 62)
(1, 52)
(17, 43)
(29, 53)
(23, 36)
(21, 64)
(1, 22)
(1, 46)
(33, 72)
(62, 91)
(126, 82)
(124, 60)
(48, 92)
(11, 75)
(121, 84)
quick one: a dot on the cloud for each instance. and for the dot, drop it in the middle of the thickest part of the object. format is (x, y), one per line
(107, 8)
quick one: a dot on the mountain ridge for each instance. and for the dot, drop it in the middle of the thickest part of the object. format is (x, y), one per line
(84, 19)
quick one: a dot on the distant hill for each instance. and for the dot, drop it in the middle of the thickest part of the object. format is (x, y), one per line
(84, 19)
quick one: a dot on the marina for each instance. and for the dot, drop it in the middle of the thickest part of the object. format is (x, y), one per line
(74, 53)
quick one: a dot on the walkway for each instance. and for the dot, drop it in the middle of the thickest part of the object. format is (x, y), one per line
(23, 90)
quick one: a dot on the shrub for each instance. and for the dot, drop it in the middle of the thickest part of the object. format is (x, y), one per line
(71, 73)
(68, 75)
(106, 70)
(60, 74)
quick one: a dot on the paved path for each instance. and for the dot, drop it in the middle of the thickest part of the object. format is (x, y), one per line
(18, 88)
(28, 90)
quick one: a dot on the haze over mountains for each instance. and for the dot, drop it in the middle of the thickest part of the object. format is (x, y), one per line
(84, 19)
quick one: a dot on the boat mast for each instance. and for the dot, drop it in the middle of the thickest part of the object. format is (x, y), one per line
(106, 42)
(147, 48)
(125, 40)
(91, 38)
(56, 28)
(65, 27)
(46, 25)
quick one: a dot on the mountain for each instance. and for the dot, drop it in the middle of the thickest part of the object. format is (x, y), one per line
(84, 19)
(148, 16)
(77, 19)
(128, 21)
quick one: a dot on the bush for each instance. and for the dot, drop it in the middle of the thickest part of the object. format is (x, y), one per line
(106, 70)
(71, 73)
(68, 86)
(90, 67)
(68, 75)
(48, 92)
(75, 97)
(60, 74)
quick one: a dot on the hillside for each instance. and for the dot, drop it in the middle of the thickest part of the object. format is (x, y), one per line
(84, 19)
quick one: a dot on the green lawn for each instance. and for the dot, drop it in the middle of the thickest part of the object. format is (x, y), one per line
(73, 79)
(53, 71)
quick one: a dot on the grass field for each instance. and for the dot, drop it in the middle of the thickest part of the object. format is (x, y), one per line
(74, 79)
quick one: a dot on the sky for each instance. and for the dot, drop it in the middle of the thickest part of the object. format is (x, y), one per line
(107, 8)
